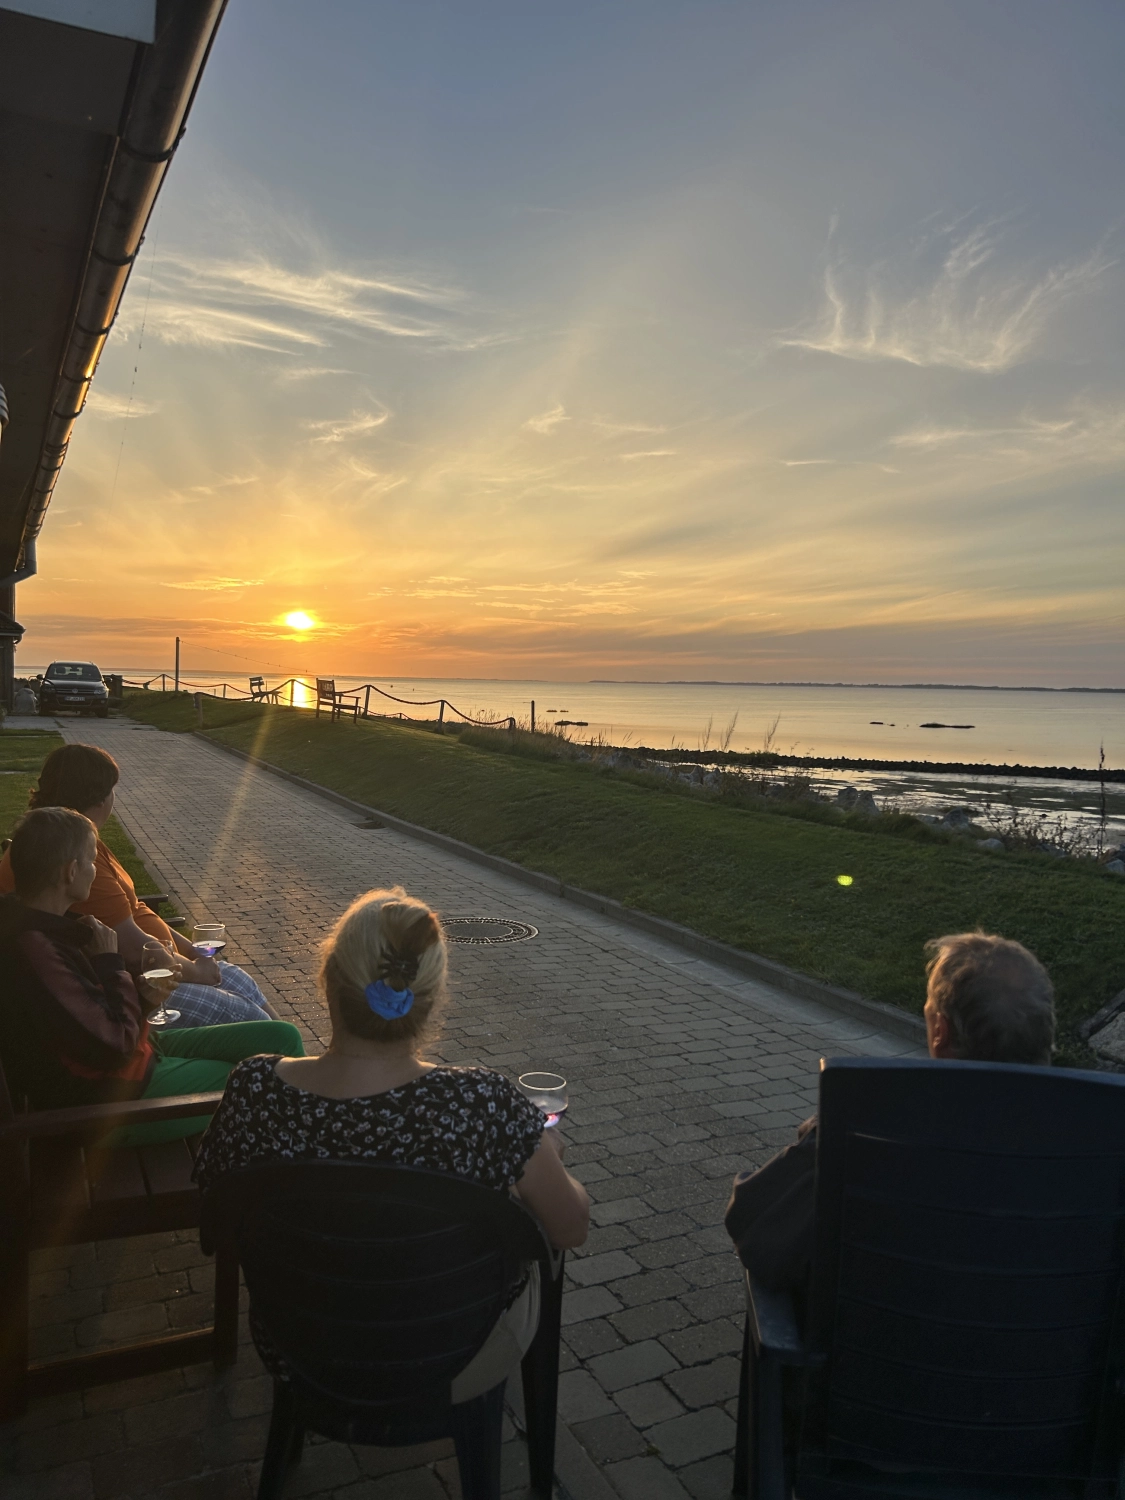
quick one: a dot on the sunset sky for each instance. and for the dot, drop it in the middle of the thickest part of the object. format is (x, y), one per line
(620, 339)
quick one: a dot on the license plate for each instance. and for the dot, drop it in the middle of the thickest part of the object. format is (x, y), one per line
(75, 698)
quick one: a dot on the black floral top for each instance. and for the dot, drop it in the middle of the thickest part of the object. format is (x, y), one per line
(468, 1122)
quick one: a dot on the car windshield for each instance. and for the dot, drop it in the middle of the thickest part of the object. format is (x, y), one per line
(73, 671)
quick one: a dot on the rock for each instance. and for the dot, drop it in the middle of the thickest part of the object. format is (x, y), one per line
(1107, 1037)
(25, 701)
(713, 779)
(991, 846)
(851, 799)
(956, 819)
(1115, 867)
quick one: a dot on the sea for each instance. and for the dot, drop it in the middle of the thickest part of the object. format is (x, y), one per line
(969, 725)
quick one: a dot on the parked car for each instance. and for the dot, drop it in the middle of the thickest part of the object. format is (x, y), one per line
(75, 687)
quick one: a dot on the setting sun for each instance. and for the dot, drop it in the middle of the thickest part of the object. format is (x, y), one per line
(299, 620)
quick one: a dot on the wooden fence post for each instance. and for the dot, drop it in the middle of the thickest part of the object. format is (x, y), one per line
(366, 700)
(441, 716)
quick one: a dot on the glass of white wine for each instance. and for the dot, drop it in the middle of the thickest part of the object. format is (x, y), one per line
(547, 1091)
(160, 972)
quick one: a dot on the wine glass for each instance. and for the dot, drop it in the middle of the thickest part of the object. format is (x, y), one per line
(547, 1091)
(210, 938)
(160, 972)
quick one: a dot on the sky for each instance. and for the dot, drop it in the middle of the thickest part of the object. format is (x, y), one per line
(642, 340)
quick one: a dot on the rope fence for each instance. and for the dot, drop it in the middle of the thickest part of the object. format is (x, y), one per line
(311, 693)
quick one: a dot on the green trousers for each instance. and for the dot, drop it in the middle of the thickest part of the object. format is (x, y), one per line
(198, 1060)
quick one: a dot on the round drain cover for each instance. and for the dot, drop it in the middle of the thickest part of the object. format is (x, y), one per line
(487, 930)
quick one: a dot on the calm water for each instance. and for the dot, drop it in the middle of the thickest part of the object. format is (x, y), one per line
(1030, 728)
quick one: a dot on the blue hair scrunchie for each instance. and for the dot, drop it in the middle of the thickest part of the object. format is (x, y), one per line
(386, 1002)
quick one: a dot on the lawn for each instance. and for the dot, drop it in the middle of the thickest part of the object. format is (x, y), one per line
(757, 879)
(22, 752)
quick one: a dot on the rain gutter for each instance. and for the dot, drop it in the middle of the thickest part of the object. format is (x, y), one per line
(163, 92)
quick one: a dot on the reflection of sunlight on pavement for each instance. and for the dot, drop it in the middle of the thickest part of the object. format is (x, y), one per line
(221, 848)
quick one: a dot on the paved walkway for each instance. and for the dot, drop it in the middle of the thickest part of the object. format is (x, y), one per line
(681, 1073)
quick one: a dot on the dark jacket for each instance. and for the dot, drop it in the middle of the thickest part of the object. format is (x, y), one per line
(71, 1024)
(771, 1215)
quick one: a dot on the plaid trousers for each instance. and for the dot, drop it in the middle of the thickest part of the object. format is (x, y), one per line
(235, 998)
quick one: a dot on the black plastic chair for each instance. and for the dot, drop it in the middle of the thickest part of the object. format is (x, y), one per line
(965, 1327)
(376, 1286)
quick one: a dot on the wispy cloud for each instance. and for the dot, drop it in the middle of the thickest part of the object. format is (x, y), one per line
(649, 453)
(1084, 435)
(106, 404)
(547, 421)
(214, 585)
(340, 429)
(232, 481)
(950, 300)
(293, 373)
(257, 303)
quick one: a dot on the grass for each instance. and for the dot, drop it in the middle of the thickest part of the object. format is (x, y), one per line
(749, 876)
(22, 752)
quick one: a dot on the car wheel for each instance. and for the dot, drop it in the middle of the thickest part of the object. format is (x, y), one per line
(102, 713)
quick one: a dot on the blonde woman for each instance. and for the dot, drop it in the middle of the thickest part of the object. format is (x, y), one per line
(371, 1097)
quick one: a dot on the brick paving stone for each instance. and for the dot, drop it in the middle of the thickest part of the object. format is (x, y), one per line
(709, 1479)
(698, 1434)
(648, 1403)
(607, 1439)
(692, 1346)
(706, 1385)
(588, 1302)
(650, 1319)
(631, 1365)
(645, 1479)
(581, 1397)
(670, 1096)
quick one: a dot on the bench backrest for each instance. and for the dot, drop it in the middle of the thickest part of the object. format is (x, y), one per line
(326, 689)
(966, 1307)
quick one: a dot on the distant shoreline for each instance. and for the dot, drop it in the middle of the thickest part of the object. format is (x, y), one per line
(945, 687)
(769, 759)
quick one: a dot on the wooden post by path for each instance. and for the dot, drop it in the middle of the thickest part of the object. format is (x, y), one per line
(441, 715)
(177, 664)
(533, 715)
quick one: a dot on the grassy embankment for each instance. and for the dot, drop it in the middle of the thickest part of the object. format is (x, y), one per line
(756, 878)
(22, 752)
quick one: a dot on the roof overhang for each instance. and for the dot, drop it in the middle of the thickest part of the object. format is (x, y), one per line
(94, 96)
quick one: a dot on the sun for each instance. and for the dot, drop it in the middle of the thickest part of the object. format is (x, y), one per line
(299, 620)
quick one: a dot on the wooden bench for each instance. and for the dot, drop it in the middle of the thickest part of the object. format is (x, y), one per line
(59, 1186)
(336, 703)
(259, 693)
(153, 899)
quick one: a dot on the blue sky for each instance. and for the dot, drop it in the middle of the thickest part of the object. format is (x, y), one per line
(662, 340)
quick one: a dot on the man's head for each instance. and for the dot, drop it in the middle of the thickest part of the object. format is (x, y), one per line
(53, 850)
(78, 776)
(988, 1000)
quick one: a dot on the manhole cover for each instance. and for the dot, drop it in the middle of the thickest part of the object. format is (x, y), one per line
(487, 930)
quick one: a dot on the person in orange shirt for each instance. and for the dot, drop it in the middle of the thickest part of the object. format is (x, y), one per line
(83, 778)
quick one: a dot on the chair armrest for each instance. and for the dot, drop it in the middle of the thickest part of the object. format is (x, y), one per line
(152, 898)
(49, 1122)
(773, 1323)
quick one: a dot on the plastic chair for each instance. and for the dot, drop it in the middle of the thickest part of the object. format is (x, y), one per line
(965, 1329)
(376, 1286)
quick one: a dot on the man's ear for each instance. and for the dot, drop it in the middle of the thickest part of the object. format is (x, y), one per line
(70, 872)
(941, 1036)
